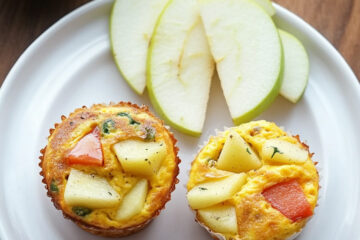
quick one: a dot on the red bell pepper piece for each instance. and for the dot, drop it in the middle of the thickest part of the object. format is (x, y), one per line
(87, 151)
(289, 199)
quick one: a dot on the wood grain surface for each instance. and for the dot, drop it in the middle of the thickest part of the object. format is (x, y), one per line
(22, 21)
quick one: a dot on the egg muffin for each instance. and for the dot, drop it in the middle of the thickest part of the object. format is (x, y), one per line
(252, 182)
(110, 168)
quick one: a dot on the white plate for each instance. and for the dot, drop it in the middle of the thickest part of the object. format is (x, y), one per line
(70, 65)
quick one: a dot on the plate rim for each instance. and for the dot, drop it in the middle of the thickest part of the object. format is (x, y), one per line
(92, 4)
(10, 79)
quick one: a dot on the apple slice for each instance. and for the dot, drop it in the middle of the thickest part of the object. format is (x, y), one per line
(296, 67)
(131, 26)
(133, 201)
(180, 67)
(247, 50)
(86, 190)
(210, 193)
(267, 6)
(220, 218)
(237, 155)
(140, 158)
(283, 152)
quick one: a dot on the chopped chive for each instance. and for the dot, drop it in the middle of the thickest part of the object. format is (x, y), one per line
(108, 126)
(247, 149)
(211, 162)
(150, 133)
(81, 211)
(54, 187)
(276, 150)
(131, 120)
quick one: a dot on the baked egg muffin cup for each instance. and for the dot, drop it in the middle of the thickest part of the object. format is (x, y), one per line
(239, 179)
(108, 130)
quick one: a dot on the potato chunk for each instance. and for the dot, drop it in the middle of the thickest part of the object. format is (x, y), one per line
(90, 191)
(280, 151)
(140, 158)
(133, 201)
(237, 156)
(210, 193)
(220, 219)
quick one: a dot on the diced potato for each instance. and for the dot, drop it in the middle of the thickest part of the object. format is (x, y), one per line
(237, 156)
(140, 158)
(90, 191)
(133, 202)
(280, 151)
(220, 219)
(210, 193)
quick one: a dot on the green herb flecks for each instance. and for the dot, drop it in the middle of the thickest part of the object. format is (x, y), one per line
(54, 187)
(203, 189)
(131, 120)
(108, 126)
(81, 211)
(248, 151)
(276, 150)
(150, 134)
(211, 162)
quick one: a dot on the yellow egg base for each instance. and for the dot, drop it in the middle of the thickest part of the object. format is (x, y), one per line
(65, 136)
(255, 216)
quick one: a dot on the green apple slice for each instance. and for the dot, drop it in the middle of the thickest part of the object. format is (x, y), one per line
(296, 67)
(283, 152)
(208, 194)
(131, 25)
(88, 190)
(247, 50)
(140, 158)
(133, 201)
(267, 6)
(180, 67)
(220, 218)
(237, 156)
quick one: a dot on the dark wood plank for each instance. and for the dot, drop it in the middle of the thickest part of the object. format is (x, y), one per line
(21, 22)
(337, 20)
(349, 45)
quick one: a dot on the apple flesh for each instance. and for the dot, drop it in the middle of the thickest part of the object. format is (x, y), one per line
(237, 156)
(140, 158)
(180, 67)
(210, 193)
(221, 219)
(267, 6)
(296, 67)
(247, 50)
(131, 26)
(280, 151)
(87, 190)
(133, 201)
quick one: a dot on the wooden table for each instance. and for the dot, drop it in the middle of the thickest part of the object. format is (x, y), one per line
(22, 21)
